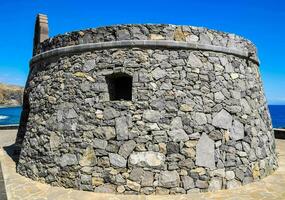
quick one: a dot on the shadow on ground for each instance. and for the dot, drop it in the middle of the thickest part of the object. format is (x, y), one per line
(13, 151)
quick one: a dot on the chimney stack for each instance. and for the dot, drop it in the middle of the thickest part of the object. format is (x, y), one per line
(41, 31)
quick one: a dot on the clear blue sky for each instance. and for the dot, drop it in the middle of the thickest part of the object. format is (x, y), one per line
(261, 21)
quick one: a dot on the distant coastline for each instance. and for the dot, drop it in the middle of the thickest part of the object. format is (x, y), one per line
(10, 106)
(11, 95)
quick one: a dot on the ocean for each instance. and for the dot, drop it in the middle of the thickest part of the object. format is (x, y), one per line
(12, 115)
(277, 113)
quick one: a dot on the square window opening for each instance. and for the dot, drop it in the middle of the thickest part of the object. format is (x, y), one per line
(119, 86)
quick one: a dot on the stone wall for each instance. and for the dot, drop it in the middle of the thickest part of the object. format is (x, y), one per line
(191, 34)
(198, 120)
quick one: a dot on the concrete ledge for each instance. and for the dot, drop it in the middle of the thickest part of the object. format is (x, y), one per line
(8, 127)
(279, 133)
(167, 44)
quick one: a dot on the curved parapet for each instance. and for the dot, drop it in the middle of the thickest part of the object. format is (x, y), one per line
(153, 32)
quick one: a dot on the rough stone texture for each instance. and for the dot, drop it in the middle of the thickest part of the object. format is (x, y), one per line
(66, 160)
(127, 148)
(122, 128)
(205, 152)
(197, 121)
(178, 135)
(222, 120)
(169, 179)
(187, 182)
(117, 160)
(237, 130)
(215, 184)
(151, 115)
(88, 158)
(147, 159)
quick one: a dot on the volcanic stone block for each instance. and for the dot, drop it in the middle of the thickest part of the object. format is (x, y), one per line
(178, 135)
(237, 130)
(169, 179)
(67, 160)
(122, 128)
(89, 157)
(222, 120)
(151, 115)
(187, 182)
(127, 148)
(205, 152)
(147, 159)
(117, 160)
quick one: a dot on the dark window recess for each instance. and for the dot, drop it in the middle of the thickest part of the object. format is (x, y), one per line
(120, 86)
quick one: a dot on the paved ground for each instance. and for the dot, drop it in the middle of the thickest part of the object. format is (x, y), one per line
(21, 188)
(7, 137)
(3, 195)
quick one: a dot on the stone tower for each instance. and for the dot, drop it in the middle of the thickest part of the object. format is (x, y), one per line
(150, 109)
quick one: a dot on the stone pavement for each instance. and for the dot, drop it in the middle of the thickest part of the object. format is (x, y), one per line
(7, 137)
(21, 188)
(3, 195)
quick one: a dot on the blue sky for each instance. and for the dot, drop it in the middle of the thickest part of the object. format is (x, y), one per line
(261, 21)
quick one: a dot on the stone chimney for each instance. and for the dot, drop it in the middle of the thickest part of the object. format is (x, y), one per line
(41, 31)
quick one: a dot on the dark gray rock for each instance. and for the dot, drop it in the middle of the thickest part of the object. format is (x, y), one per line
(187, 182)
(100, 144)
(201, 184)
(85, 179)
(172, 147)
(136, 175)
(117, 160)
(123, 34)
(205, 152)
(110, 113)
(176, 123)
(151, 115)
(178, 135)
(245, 106)
(239, 174)
(169, 179)
(54, 141)
(106, 133)
(89, 65)
(147, 179)
(222, 120)
(237, 130)
(158, 73)
(200, 118)
(122, 128)
(67, 160)
(71, 114)
(247, 180)
(194, 61)
(88, 158)
(106, 188)
(127, 148)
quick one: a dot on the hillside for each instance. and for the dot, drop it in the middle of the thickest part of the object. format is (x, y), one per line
(11, 95)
